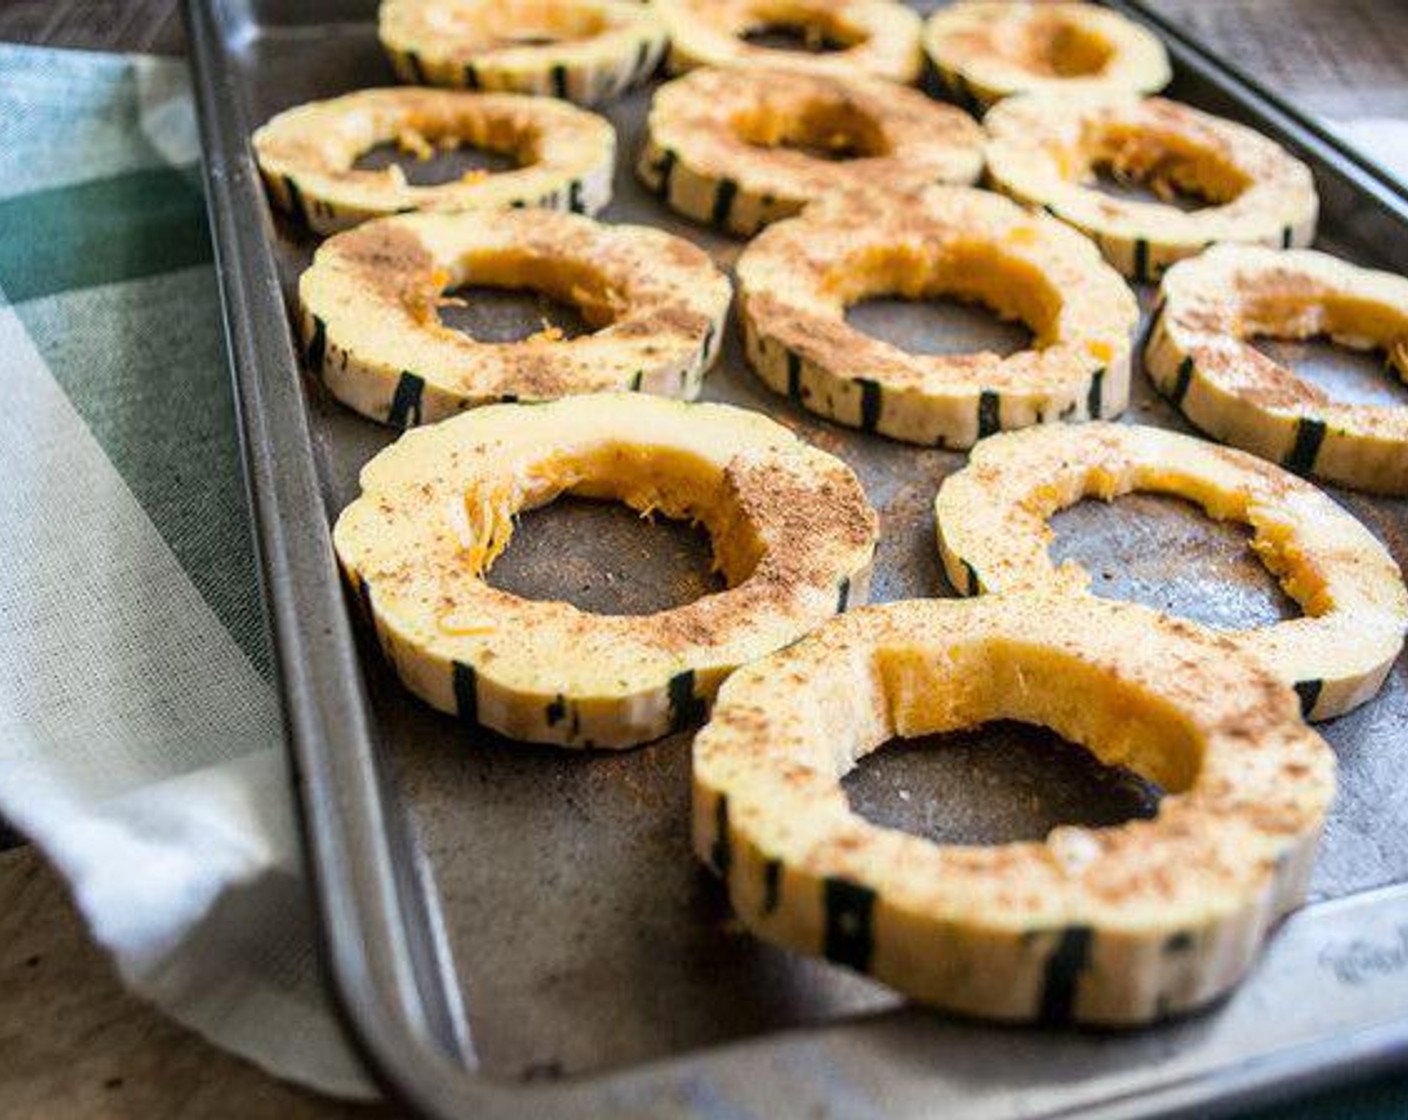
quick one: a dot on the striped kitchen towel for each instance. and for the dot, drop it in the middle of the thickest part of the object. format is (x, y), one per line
(139, 730)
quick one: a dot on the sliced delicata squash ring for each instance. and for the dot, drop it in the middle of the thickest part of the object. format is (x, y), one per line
(306, 154)
(1119, 925)
(371, 332)
(1044, 149)
(792, 533)
(875, 37)
(1200, 356)
(993, 535)
(586, 51)
(985, 50)
(797, 278)
(741, 148)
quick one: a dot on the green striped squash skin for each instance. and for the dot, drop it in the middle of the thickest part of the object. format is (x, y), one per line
(1144, 260)
(804, 870)
(678, 703)
(1304, 444)
(588, 194)
(953, 425)
(585, 82)
(849, 925)
(402, 398)
(709, 200)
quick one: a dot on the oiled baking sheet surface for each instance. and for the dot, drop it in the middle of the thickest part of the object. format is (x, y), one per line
(585, 935)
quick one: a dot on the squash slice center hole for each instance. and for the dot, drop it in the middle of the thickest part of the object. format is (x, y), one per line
(602, 556)
(1054, 47)
(965, 297)
(1004, 782)
(1131, 165)
(822, 129)
(1123, 188)
(516, 23)
(1347, 376)
(511, 315)
(939, 325)
(801, 36)
(1167, 553)
(439, 161)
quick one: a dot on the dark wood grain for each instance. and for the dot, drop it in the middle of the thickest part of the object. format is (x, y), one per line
(1336, 58)
(105, 25)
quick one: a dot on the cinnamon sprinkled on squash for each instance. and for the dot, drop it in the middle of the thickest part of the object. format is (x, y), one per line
(792, 532)
(993, 535)
(306, 154)
(370, 302)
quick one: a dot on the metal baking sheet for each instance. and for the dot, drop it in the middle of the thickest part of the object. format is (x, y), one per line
(515, 931)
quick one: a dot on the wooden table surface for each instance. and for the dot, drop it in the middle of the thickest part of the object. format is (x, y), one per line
(72, 1042)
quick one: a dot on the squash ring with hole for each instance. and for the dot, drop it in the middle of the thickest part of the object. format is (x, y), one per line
(1117, 926)
(716, 149)
(368, 312)
(792, 532)
(1199, 356)
(1044, 148)
(306, 155)
(993, 535)
(985, 50)
(797, 278)
(587, 51)
(875, 37)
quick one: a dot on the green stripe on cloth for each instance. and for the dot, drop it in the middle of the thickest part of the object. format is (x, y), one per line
(105, 268)
(124, 227)
(144, 364)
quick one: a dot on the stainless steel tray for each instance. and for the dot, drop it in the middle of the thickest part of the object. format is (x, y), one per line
(514, 931)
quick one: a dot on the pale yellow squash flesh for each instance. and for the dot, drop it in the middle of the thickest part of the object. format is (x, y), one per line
(306, 155)
(985, 50)
(793, 537)
(1200, 356)
(993, 535)
(587, 51)
(1120, 925)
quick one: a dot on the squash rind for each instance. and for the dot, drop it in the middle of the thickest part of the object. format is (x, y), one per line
(368, 312)
(1115, 926)
(991, 522)
(306, 155)
(698, 162)
(799, 275)
(1198, 355)
(792, 530)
